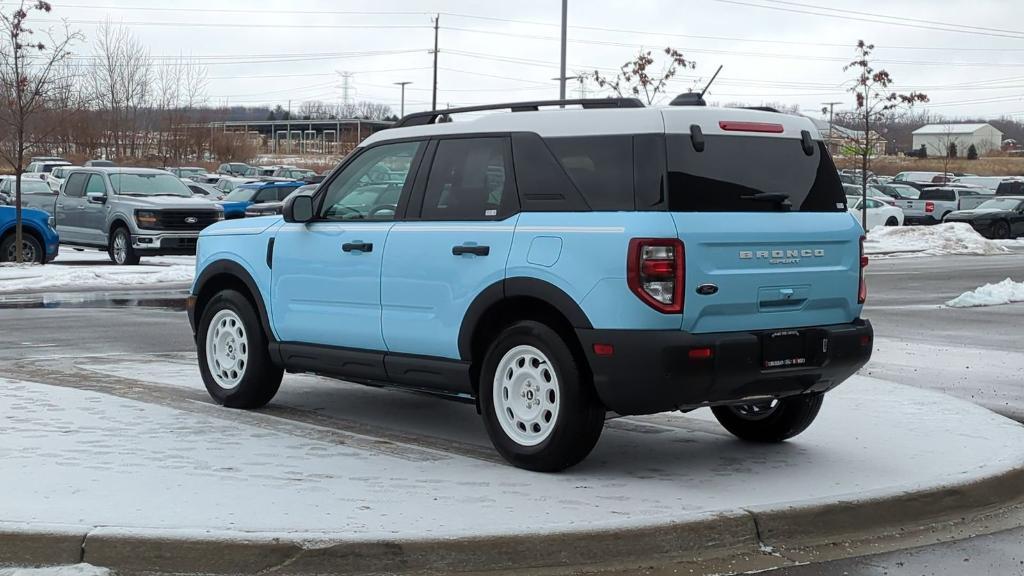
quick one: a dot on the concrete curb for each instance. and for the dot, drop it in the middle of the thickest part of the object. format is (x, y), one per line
(711, 536)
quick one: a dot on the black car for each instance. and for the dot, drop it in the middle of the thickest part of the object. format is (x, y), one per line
(999, 218)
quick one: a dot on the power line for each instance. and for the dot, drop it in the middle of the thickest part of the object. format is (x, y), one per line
(1016, 36)
(239, 25)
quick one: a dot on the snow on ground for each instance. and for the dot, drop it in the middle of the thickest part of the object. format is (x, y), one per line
(85, 458)
(938, 240)
(93, 269)
(70, 570)
(1004, 292)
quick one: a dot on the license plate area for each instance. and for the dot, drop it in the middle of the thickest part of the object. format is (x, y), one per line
(792, 349)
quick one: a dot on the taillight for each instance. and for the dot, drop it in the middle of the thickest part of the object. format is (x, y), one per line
(929, 207)
(655, 272)
(862, 291)
(766, 127)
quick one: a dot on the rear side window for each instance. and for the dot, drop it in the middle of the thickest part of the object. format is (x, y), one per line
(1010, 188)
(941, 194)
(733, 169)
(284, 191)
(470, 179)
(601, 167)
(75, 185)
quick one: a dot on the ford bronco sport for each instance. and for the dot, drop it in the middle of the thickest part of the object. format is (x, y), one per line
(554, 267)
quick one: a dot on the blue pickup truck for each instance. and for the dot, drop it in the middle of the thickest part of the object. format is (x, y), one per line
(245, 195)
(39, 243)
(555, 267)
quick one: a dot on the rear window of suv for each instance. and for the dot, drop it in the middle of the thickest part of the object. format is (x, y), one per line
(732, 169)
(940, 194)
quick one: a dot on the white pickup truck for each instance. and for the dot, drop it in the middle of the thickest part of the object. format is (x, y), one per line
(935, 203)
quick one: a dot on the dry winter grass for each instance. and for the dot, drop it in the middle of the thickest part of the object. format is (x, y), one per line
(890, 165)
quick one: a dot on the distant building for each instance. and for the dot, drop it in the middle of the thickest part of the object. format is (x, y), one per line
(304, 137)
(939, 138)
(842, 141)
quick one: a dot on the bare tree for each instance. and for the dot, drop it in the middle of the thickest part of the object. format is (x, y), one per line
(875, 103)
(123, 82)
(947, 147)
(639, 79)
(28, 67)
(180, 89)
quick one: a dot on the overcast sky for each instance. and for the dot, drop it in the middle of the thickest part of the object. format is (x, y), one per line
(967, 55)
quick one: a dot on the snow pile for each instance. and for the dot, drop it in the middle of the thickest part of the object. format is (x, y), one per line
(67, 275)
(938, 240)
(71, 570)
(1004, 292)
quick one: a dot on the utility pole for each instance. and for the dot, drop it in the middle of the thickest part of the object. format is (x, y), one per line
(402, 84)
(831, 110)
(433, 99)
(561, 71)
(346, 88)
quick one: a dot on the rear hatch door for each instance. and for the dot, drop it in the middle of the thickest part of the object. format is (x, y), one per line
(754, 262)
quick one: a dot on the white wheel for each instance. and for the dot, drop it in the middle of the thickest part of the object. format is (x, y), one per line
(526, 395)
(227, 349)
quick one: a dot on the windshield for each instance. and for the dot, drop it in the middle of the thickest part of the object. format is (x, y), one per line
(148, 185)
(1000, 204)
(241, 194)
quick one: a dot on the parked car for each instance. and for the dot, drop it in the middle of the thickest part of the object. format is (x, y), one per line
(259, 171)
(186, 171)
(34, 193)
(39, 240)
(1011, 187)
(935, 203)
(998, 218)
(6, 198)
(202, 190)
(41, 170)
(130, 213)
(873, 192)
(898, 191)
(226, 184)
(57, 177)
(245, 195)
(878, 214)
(232, 168)
(921, 177)
(48, 159)
(207, 178)
(293, 173)
(551, 266)
(988, 182)
(274, 208)
(99, 163)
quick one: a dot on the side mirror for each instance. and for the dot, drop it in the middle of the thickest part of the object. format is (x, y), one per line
(96, 197)
(298, 208)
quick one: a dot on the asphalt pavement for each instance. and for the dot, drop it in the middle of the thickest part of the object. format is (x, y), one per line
(971, 353)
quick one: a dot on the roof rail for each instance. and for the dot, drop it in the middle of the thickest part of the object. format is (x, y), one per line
(760, 108)
(432, 116)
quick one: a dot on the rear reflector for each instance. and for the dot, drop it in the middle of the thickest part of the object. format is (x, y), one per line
(604, 349)
(700, 353)
(751, 127)
(865, 340)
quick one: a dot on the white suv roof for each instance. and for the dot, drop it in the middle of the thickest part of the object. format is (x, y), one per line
(602, 121)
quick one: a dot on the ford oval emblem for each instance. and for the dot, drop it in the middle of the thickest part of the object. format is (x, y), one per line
(191, 220)
(707, 289)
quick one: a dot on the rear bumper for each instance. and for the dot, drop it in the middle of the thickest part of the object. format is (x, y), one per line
(927, 220)
(651, 370)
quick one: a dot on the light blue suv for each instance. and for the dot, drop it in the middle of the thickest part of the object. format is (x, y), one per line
(555, 267)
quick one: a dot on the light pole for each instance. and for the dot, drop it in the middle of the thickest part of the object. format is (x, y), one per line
(402, 84)
(561, 71)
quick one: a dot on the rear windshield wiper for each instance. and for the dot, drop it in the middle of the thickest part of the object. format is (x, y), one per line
(778, 197)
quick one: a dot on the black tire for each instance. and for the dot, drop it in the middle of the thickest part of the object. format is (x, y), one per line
(578, 415)
(31, 248)
(1001, 230)
(789, 417)
(127, 257)
(892, 221)
(260, 378)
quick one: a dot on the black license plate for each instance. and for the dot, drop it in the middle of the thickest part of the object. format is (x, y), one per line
(784, 349)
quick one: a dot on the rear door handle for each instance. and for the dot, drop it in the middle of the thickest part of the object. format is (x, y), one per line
(477, 250)
(357, 247)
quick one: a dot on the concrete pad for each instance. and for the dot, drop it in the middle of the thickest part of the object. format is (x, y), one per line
(355, 479)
